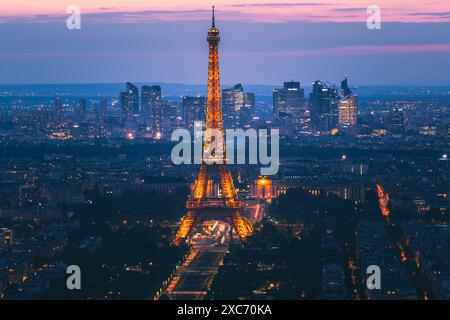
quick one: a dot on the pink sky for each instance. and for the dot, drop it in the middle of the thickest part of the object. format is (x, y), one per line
(252, 10)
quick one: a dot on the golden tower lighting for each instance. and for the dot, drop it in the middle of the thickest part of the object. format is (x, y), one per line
(228, 208)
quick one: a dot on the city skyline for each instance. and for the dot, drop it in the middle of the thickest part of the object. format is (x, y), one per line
(162, 42)
(100, 198)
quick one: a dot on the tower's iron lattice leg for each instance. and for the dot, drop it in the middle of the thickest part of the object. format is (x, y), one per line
(186, 226)
(241, 224)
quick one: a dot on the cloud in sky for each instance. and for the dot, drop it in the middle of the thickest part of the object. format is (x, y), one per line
(435, 14)
(280, 4)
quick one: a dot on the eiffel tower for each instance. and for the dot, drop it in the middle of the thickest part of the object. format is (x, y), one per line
(201, 207)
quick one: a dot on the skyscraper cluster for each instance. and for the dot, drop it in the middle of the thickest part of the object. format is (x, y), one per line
(326, 112)
(151, 104)
(162, 115)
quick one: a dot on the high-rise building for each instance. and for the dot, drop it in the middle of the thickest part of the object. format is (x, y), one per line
(348, 107)
(194, 109)
(396, 120)
(249, 101)
(248, 109)
(323, 104)
(229, 113)
(169, 117)
(150, 98)
(345, 90)
(289, 99)
(288, 107)
(129, 99)
(237, 96)
(348, 111)
(237, 106)
(152, 105)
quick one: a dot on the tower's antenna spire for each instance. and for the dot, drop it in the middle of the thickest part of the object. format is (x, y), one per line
(213, 19)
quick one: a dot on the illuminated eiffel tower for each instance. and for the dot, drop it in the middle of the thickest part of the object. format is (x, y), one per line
(201, 207)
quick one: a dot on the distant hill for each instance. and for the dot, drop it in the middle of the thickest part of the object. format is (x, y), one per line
(112, 90)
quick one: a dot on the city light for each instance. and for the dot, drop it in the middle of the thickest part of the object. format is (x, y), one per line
(119, 179)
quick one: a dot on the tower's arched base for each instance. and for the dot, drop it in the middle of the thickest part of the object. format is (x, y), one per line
(234, 217)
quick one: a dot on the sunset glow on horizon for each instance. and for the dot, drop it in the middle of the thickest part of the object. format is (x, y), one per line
(254, 11)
